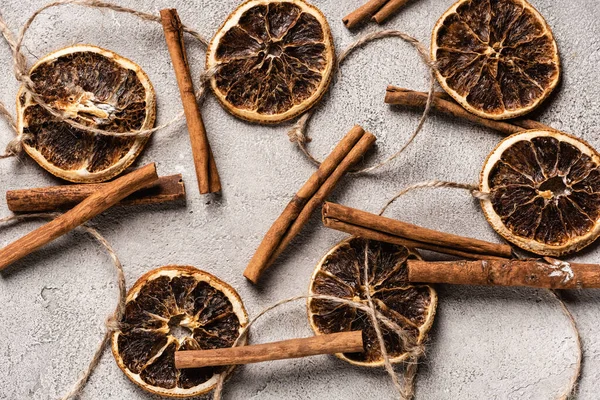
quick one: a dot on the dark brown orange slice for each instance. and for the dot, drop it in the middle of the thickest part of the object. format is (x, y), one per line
(176, 308)
(544, 192)
(273, 60)
(94, 87)
(497, 58)
(341, 274)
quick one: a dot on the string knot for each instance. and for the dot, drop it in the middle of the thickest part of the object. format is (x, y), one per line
(113, 325)
(480, 195)
(13, 148)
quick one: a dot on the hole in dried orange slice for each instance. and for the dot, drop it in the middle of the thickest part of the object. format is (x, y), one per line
(176, 308)
(544, 191)
(94, 87)
(273, 60)
(497, 58)
(341, 274)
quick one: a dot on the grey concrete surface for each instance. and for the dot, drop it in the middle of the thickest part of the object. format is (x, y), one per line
(486, 343)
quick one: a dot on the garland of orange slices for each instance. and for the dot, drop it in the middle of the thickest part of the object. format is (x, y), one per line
(271, 61)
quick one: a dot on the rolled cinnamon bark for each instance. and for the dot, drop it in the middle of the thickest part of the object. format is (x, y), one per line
(376, 227)
(350, 150)
(362, 13)
(442, 103)
(343, 342)
(554, 274)
(390, 8)
(55, 198)
(98, 202)
(204, 161)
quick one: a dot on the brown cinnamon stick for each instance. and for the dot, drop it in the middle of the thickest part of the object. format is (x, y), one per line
(372, 226)
(348, 151)
(532, 273)
(55, 198)
(362, 13)
(93, 205)
(343, 342)
(204, 161)
(410, 98)
(390, 8)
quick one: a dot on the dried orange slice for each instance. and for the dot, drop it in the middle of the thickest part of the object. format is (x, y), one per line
(544, 192)
(497, 58)
(176, 308)
(341, 274)
(273, 60)
(94, 87)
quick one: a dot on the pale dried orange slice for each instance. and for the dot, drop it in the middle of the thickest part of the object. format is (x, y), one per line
(544, 192)
(273, 60)
(94, 87)
(176, 308)
(341, 274)
(497, 58)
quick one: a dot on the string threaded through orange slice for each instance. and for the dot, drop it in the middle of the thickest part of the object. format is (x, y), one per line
(94, 87)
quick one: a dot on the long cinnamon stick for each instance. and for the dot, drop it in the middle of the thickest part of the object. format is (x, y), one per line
(54, 198)
(350, 149)
(390, 8)
(343, 342)
(376, 227)
(533, 273)
(93, 205)
(362, 13)
(386, 237)
(204, 161)
(410, 98)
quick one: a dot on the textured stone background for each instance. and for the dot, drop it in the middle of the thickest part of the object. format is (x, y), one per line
(486, 343)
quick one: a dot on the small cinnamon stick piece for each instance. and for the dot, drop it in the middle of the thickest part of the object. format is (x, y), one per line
(372, 226)
(390, 8)
(533, 273)
(410, 98)
(343, 342)
(93, 205)
(362, 13)
(54, 198)
(348, 151)
(204, 161)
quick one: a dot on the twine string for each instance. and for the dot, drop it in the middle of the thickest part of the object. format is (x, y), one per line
(119, 310)
(21, 74)
(298, 132)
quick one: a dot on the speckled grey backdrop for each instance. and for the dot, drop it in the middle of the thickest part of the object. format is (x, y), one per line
(486, 343)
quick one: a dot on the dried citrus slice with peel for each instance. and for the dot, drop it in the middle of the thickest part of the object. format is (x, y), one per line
(96, 88)
(544, 192)
(273, 59)
(176, 308)
(341, 274)
(497, 58)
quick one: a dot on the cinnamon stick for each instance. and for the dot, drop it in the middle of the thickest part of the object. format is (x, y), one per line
(362, 13)
(533, 273)
(55, 198)
(93, 205)
(390, 8)
(372, 226)
(343, 342)
(348, 151)
(204, 161)
(410, 98)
